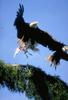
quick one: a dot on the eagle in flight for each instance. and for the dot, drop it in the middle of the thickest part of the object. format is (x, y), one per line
(29, 35)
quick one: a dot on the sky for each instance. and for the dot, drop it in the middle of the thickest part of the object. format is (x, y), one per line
(52, 16)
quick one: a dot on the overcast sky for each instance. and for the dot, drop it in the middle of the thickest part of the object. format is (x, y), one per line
(52, 16)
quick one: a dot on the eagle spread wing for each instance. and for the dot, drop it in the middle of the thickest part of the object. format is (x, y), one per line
(29, 35)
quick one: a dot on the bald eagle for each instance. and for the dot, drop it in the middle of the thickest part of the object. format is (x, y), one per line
(29, 34)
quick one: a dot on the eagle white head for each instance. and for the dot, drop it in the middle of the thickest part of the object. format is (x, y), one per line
(33, 24)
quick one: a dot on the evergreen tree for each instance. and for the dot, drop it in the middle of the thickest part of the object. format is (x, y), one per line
(35, 82)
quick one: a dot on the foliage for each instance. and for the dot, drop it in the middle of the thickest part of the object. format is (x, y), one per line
(36, 83)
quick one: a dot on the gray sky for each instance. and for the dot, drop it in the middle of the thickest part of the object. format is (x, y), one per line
(52, 16)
